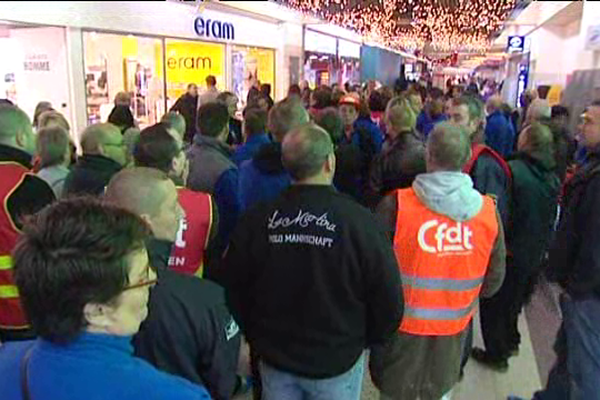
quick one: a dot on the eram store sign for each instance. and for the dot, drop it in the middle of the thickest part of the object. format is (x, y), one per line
(214, 28)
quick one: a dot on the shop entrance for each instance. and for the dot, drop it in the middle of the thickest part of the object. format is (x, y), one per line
(33, 67)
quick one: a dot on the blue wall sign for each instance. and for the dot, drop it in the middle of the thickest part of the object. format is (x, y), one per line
(214, 28)
(516, 44)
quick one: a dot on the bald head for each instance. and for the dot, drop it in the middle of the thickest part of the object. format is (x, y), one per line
(285, 116)
(448, 148)
(104, 139)
(493, 104)
(150, 194)
(15, 128)
(305, 153)
(176, 122)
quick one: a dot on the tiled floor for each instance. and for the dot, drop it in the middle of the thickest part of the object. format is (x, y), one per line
(522, 378)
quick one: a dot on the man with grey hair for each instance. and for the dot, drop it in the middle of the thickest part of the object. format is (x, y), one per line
(103, 156)
(499, 132)
(22, 193)
(312, 279)
(263, 178)
(55, 157)
(449, 244)
(176, 122)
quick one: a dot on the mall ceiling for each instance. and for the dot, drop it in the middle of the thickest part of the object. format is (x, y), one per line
(429, 27)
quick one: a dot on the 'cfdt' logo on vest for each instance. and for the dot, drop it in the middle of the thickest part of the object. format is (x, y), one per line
(447, 239)
(218, 29)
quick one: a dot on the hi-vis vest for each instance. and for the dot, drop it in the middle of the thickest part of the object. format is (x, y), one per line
(187, 256)
(442, 264)
(12, 315)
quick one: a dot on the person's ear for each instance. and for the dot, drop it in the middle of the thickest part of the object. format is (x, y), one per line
(97, 315)
(330, 163)
(21, 138)
(147, 219)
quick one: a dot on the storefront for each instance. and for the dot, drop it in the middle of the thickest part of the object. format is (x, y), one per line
(329, 60)
(94, 51)
(34, 66)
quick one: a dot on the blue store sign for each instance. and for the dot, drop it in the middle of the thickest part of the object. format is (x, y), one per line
(213, 28)
(516, 44)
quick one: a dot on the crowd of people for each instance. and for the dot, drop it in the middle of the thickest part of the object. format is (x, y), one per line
(337, 229)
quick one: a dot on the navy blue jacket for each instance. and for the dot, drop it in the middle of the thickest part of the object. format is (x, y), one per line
(263, 178)
(92, 367)
(499, 134)
(425, 123)
(249, 149)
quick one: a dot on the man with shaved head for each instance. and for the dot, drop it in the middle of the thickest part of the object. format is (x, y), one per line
(189, 331)
(103, 156)
(21, 193)
(449, 245)
(499, 132)
(312, 279)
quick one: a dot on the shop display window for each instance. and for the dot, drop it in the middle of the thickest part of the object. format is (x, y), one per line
(124, 63)
(191, 62)
(251, 66)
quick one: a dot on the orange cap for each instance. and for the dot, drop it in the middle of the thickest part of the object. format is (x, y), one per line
(350, 99)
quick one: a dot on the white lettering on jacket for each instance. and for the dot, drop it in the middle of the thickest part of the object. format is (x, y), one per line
(303, 219)
(447, 239)
(179, 242)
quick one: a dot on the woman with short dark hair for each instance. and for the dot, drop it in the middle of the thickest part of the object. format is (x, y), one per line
(83, 273)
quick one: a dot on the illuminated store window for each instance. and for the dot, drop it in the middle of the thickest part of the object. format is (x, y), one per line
(124, 63)
(251, 66)
(191, 62)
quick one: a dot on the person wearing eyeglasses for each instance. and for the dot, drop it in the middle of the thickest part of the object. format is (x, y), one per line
(104, 154)
(189, 331)
(83, 271)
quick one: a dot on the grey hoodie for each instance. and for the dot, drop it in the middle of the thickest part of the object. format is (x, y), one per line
(449, 193)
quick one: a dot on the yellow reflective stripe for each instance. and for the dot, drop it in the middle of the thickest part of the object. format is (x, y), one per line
(8, 292)
(5, 262)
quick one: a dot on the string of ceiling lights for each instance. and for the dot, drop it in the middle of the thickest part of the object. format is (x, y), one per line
(437, 25)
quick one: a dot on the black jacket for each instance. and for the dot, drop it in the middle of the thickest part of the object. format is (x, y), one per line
(489, 178)
(349, 171)
(534, 200)
(90, 175)
(189, 331)
(313, 281)
(31, 195)
(187, 106)
(575, 253)
(396, 167)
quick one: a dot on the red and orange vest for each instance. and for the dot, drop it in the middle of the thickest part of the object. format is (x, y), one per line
(12, 315)
(442, 264)
(187, 256)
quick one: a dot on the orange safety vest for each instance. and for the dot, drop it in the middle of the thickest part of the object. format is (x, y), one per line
(12, 315)
(187, 256)
(442, 264)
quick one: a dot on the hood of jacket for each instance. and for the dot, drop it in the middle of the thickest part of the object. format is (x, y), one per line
(449, 193)
(268, 159)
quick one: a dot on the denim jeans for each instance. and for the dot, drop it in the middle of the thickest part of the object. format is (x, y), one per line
(280, 385)
(576, 374)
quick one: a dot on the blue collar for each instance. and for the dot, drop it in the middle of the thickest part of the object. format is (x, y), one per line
(92, 343)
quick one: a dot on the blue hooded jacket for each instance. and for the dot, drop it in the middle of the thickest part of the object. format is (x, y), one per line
(499, 134)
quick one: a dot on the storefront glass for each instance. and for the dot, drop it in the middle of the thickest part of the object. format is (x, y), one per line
(34, 66)
(251, 66)
(191, 62)
(124, 63)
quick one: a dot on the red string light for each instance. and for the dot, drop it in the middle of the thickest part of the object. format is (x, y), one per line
(444, 25)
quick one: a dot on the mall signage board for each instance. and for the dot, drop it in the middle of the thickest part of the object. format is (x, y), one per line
(516, 44)
(214, 28)
(592, 39)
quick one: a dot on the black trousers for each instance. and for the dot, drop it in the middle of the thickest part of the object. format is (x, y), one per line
(499, 314)
(255, 370)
